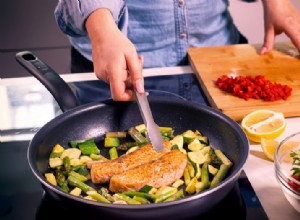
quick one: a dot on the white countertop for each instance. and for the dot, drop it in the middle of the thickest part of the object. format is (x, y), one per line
(259, 170)
(261, 174)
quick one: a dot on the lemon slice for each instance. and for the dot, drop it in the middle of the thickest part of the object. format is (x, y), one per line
(269, 147)
(263, 123)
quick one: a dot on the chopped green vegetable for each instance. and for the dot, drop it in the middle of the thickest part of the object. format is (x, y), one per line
(111, 142)
(188, 136)
(55, 155)
(219, 176)
(77, 183)
(178, 183)
(177, 140)
(97, 196)
(67, 164)
(78, 176)
(82, 170)
(212, 170)
(137, 136)
(166, 131)
(88, 148)
(129, 200)
(141, 194)
(72, 153)
(205, 175)
(141, 128)
(165, 196)
(98, 157)
(145, 189)
(223, 158)
(191, 187)
(61, 180)
(117, 134)
(142, 200)
(55, 162)
(175, 196)
(196, 157)
(113, 153)
(76, 191)
(215, 160)
(69, 168)
(51, 178)
(58, 149)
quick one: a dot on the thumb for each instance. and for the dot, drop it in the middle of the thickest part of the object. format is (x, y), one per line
(139, 83)
(269, 40)
(136, 75)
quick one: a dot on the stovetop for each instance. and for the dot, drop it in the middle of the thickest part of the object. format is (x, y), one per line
(22, 196)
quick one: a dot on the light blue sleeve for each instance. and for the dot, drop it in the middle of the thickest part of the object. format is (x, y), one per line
(71, 15)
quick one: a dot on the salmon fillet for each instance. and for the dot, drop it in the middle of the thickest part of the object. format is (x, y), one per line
(103, 171)
(161, 172)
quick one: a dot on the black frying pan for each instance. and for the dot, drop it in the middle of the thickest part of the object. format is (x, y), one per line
(94, 119)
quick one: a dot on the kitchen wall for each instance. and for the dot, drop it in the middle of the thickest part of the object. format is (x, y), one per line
(30, 25)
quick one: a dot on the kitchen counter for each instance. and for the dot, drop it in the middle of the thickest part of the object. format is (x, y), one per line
(26, 105)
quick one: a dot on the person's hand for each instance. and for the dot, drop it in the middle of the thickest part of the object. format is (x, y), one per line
(114, 56)
(280, 16)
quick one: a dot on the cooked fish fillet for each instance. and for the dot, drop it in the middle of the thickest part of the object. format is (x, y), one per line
(102, 172)
(161, 172)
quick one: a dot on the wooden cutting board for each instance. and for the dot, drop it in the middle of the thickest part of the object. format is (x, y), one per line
(281, 65)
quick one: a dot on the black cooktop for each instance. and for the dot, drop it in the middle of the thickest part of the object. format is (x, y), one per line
(22, 196)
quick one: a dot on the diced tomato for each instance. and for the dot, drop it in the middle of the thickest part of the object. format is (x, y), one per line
(257, 87)
(294, 185)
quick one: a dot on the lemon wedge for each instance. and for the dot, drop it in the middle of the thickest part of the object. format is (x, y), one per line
(263, 123)
(269, 147)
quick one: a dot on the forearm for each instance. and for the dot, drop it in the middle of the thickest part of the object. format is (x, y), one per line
(100, 24)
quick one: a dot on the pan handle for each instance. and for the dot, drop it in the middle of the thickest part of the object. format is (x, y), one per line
(59, 89)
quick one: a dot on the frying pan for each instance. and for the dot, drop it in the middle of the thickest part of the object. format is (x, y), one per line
(94, 119)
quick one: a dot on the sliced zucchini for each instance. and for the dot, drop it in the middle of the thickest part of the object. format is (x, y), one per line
(191, 187)
(58, 149)
(76, 191)
(72, 153)
(141, 128)
(75, 162)
(212, 170)
(55, 162)
(195, 145)
(177, 140)
(111, 142)
(178, 183)
(196, 157)
(84, 159)
(188, 136)
(51, 178)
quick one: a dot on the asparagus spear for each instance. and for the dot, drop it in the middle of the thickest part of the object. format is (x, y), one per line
(219, 176)
(77, 183)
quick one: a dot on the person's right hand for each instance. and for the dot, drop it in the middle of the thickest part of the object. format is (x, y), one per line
(114, 56)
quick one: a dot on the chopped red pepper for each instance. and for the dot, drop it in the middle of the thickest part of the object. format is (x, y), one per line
(257, 87)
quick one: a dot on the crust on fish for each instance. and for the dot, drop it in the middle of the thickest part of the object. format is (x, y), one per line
(161, 172)
(102, 172)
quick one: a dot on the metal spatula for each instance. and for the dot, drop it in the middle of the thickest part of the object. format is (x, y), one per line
(153, 132)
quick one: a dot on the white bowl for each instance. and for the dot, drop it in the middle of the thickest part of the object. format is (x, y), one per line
(283, 165)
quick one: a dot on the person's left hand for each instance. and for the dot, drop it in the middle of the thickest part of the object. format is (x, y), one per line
(280, 16)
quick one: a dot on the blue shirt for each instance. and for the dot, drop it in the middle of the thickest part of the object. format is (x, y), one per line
(162, 31)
